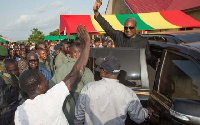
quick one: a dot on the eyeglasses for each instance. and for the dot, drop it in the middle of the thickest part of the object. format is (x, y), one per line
(33, 61)
(130, 27)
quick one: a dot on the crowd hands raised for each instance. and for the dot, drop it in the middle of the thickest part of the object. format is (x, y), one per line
(54, 86)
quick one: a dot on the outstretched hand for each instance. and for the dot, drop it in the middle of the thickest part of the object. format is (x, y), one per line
(83, 34)
(97, 5)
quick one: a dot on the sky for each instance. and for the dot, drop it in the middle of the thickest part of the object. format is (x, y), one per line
(19, 17)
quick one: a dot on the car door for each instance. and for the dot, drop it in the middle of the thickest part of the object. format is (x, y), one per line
(176, 93)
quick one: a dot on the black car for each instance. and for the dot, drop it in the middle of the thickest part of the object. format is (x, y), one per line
(175, 98)
(158, 42)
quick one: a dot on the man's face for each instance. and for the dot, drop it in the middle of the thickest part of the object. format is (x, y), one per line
(16, 48)
(104, 43)
(57, 51)
(33, 62)
(13, 68)
(22, 47)
(11, 52)
(75, 52)
(66, 48)
(22, 54)
(42, 54)
(97, 44)
(17, 52)
(130, 28)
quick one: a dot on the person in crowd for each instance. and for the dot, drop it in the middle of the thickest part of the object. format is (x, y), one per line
(63, 56)
(107, 102)
(33, 63)
(12, 66)
(97, 42)
(16, 51)
(12, 55)
(22, 63)
(43, 63)
(28, 48)
(22, 47)
(57, 49)
(128, 38)
(45, 106)
(9, 88)
(70, 101)
(104, 43)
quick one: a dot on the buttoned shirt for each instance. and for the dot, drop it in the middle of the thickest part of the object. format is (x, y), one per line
(60, 59)
(70, 101)
(45, 72)
(107, 102)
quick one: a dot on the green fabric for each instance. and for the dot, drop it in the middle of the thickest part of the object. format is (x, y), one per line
(3, 40)
(57, 37)
(142, 26)
(4, 74)
(70, 101)
(3, 51)
(60, 59)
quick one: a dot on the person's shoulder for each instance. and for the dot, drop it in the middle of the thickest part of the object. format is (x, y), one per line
(44, 70)
(91, 85)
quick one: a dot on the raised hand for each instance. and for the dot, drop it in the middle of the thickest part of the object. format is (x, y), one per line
(97, 5)
(83, 34)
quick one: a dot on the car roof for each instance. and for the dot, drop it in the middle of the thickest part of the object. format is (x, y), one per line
(190, 49)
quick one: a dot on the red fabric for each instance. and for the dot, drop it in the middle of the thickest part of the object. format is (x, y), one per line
(71, 21)
(145, 6)
(181, 19)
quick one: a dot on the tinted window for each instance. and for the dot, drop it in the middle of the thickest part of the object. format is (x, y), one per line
(130, 73)
(192, 37)
(180, 78)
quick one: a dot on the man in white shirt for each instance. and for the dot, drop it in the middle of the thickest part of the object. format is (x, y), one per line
(107, 102)
(44, 107)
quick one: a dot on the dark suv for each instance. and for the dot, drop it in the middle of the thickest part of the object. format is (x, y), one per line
(175, 97)
(159, 42)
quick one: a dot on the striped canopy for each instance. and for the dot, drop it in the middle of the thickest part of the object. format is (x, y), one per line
(145, 21)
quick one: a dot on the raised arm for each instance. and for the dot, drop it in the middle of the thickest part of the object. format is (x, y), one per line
(96, 7)
(78, 69)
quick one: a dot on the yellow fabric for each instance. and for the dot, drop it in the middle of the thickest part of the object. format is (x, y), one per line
(111, 19)
(156, 21)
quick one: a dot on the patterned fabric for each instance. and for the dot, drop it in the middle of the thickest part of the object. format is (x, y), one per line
(9, 93)
(23, 65)
(4, 74)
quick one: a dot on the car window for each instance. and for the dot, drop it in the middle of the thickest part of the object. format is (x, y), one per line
(192, 37)
(130, 60)
(180, 78)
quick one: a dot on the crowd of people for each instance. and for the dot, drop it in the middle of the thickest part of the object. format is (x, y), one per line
(49, 83)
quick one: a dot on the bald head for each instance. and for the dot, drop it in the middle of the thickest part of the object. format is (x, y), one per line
(130, 27)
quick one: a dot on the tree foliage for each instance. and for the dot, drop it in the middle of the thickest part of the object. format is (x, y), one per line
(54, 33)
(0, 35)
(36, 36)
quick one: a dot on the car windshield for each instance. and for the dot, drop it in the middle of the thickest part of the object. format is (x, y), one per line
(192, 37)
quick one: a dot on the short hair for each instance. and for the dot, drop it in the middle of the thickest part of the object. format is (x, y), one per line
(29, 81)
(37, 46)
(65, 41)
(131, 18)
(10, 61)
(97, 39)
(75, 44)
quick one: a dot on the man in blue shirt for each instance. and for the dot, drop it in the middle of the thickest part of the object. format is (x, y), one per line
(33, 63)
